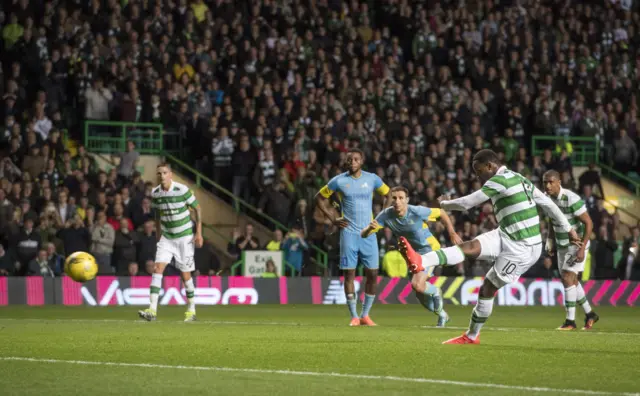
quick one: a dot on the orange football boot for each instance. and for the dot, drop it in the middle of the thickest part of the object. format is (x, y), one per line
(463, 339)
(413, 259)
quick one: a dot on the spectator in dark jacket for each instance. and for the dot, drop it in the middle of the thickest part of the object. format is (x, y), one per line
(40, 265)
(276, 201)
(26, 245)
(75, 236)
(147, 245)
(243, 162)
(125, 248)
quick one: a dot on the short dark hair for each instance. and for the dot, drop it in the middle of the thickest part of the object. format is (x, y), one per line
(486, 156)
(400, 188)
(356, 150)
(551, 173)
(164, 165)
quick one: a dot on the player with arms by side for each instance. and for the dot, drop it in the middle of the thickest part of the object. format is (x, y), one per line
(172, 202)
(410, 221)
(513, 247)
(571, 258)
(355, 190)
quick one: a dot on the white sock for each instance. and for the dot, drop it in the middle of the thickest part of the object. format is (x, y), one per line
(190, 292)
(479, 316)
(154, 291)
(570, 302)
(581, 298)
(448, 256)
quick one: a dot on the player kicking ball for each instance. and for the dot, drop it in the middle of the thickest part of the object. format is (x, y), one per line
(513, 247)
(355, 189)
(410, 221)
(570, 258)
(172, 202)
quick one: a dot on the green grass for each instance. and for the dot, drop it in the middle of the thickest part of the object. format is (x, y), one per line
(519, 348)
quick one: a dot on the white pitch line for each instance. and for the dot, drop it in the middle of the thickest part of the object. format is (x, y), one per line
(318, 374)
(534, 330)
(294, 324)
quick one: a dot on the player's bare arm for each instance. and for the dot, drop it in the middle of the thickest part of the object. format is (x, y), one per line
(372, 228)
(197, 239)
(552, 210)
(323, 204)
(448, 224)
(588, 229)
(551, 237)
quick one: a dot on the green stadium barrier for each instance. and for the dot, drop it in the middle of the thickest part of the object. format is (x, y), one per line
(584, 151)
(110, 137)
(239, 205)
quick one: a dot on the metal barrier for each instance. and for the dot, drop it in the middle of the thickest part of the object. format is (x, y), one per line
(110, 137)
(584, 151)
(239, 205)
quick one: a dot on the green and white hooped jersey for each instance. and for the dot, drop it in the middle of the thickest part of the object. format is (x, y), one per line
(514, 206)
(173, 207)
(573, 207)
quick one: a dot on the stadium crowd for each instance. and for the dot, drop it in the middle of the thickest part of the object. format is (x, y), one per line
(269, 95)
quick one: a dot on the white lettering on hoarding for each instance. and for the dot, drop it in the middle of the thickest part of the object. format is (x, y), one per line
(171, 295)
(335, 292)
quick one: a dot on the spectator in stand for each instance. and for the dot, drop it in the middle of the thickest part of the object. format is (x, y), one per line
(97, 98)
(625, 153)
(265, 172)
(232, 247)
(243, 162)
(26, 244)
(247, 241)
(591, 178)
(270, 270)
(102, 240)
(276, 202)
(6, 262)
(140, 214)
(147, 244)
(75, 236)
(56, 261)
(276, 243)
(128, 162)
(222, 149)
(294, 247)
(118, 218)
(64, 209)
(124, 248)
(604, 247)
(39, 265)
(206, 261)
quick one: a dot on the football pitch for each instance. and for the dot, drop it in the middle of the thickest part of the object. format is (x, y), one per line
(310, 350)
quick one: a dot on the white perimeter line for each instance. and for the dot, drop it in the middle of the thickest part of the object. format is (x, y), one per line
(294, 324)
(534, 330)
(317, 374)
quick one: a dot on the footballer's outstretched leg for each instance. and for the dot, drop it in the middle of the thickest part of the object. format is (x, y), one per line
(448, 256)
(429, 296)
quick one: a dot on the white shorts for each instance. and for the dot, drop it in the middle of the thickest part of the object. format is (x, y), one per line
(566, 257)
(181, 249)
(511, 259)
